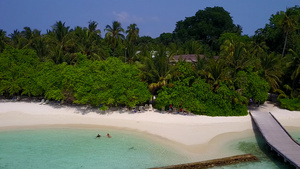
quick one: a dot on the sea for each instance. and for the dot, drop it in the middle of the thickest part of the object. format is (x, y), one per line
(257, 146)
(69, 148)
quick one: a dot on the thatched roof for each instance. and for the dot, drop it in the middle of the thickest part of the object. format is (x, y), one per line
(192, 58)
(187, 57)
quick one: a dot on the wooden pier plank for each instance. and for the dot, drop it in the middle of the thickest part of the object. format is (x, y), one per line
(277, 137)
(212, 163)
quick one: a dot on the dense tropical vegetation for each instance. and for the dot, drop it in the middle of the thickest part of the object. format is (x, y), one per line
(117, 67)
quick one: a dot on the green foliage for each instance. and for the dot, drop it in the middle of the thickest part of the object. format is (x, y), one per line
(233, 37)
(183, 69)
(166, 38)
(114, 35)
(271, 69)
(207, 25)
(252, 86)
(281, 32)
(200, 99)
(290, 104)
(109, 83)
(75, 64)
(120, 84)
(49, 78)
(17, 71)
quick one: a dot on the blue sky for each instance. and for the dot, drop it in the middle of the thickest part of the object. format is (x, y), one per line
(153, 17)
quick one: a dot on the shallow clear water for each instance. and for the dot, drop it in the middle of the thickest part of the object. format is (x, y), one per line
(78, 148)
(257, 146)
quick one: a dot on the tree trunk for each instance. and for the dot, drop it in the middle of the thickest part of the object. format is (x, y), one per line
(284, 44)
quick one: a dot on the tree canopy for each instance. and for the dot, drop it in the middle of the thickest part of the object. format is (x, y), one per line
(79, 66)
(207, 26)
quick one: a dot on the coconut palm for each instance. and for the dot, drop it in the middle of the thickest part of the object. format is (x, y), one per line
(35, 41)
(30, 36)
(157, 70)
(114, 35)
(131, 39)
(39, 44)
(288, 22)
(236, 56)
(193, 47)
(296, 73)
(175, 49)
(88, 41)
(60, 31)
(144, 50)
(59, 42)
(271, 69)
(132, 33)
(215, 72)
(17, 40)
(3, 40)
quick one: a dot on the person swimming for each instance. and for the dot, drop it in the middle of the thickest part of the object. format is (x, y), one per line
(108, 135)
(98, 136)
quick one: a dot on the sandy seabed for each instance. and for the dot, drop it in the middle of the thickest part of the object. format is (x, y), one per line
(197, 137)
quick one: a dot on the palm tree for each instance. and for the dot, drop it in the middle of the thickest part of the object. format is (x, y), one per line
(93, 46)
(93, 27)
(160, 69)
(59, 42)
(35, 41)
(175, 49)
(216, 72)
(296, 73)
(114, 35)
(257, 48)
(27, 33)
(60, 31)
(3, 40)
(288, 22)
(144, 50)
(132, 33)
(236, 56)
(271, 69)
(31, 36)
(88, 41)
(17, 40)
(193, 47)
(131, 39)
(40, 46)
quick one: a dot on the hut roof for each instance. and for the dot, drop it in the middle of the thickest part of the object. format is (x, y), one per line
(192, 58)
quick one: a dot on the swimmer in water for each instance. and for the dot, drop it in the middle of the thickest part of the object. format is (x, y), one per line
(98, 136)
(108, 135)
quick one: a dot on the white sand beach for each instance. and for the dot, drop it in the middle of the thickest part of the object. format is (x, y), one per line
(191, 134)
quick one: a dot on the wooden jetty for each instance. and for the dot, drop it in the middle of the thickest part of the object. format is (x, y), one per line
(277, 137)
(213, 163)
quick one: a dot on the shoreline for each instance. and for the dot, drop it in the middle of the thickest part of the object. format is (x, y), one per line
(217, 147)
(187, 130)
(197, 137)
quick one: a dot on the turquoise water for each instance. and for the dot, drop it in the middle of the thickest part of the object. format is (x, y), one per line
(78, 148)
(257, 146)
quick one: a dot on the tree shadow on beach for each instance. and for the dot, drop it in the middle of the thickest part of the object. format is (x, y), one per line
(86, 109)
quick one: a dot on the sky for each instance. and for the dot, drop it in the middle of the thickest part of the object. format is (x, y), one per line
(153, 17)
